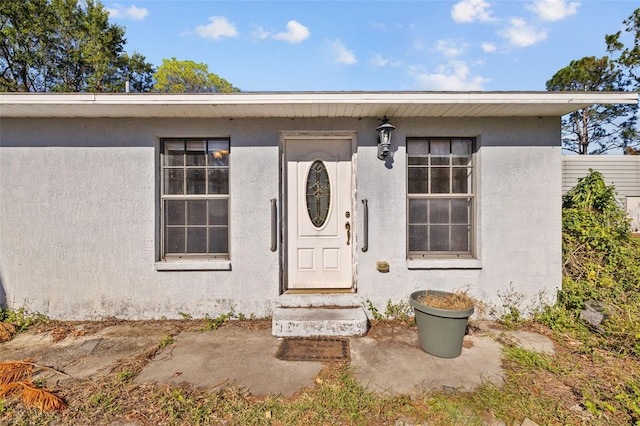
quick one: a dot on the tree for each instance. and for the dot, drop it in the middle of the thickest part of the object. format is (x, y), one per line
(628, 58)
(65, 46)
(175, 76)
(598, 128)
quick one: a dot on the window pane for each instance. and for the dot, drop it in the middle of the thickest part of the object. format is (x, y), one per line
(439, 152)
(418, 161)
(461, 211)
(418, 238)
(218, 181)
(195, 225)
(461, 178)
(218, 153)
(439, 237)
(436, 224)
(218, 212)
(219, 240)
(196, 153)
(418, 180)
(440, 180)
(174, 181)
(439, 148)
(439, 211)
(197, 240)
(460, 238)
(174, 212)
(196, 181)
(418, 211)
(461, 150)
(174, 154)
(174, 240)
(196, 212)
(417, 147)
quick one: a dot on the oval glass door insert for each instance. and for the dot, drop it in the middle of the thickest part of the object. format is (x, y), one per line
(318, 193)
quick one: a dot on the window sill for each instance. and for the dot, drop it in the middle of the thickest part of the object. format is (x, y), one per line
(194, 265)
(444, 264)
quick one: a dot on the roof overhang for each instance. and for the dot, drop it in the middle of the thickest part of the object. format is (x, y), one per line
(305, 104)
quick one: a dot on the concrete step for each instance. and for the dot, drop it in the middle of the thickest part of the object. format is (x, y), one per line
(319, 321)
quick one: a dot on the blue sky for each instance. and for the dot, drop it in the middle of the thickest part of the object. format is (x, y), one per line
(373, 45)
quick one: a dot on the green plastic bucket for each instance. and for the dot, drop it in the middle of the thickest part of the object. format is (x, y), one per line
(440, 331)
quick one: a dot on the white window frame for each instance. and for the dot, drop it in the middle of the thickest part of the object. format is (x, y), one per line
(186, 260)
(445, 259)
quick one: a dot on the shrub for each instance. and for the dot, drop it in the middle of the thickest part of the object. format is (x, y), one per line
(600, 262)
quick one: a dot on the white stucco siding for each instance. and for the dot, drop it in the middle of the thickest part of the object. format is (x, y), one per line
(80, 221)
(521, 214)
(79, 214)
(518, 213)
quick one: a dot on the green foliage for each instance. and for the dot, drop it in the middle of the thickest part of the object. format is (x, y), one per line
(627, 57)
(375, 313)
(21, 318)
(510, 313)
(65, 46)
(125, 376)
(601, 262)
(175, 76)
(400, 311)
(599, 128)
(533, 360)
(629, 398)
(217, 322)
(166, 341)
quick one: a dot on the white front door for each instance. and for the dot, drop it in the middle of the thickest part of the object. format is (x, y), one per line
(319, 213)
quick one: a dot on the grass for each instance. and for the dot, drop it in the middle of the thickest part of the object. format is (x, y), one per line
(575, 386)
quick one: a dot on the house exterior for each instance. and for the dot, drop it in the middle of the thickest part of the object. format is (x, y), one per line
(155, 205)
(621, 171)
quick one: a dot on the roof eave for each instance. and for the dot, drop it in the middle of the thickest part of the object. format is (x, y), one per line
(304, 104)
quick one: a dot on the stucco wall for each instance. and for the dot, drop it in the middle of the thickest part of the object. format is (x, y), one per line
(79, 215)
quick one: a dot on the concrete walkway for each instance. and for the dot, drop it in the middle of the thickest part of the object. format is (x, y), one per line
(387, 359)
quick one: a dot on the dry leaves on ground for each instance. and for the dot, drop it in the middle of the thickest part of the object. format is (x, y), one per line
(15, 379)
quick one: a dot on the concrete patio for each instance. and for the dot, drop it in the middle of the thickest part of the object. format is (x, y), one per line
(387, 359)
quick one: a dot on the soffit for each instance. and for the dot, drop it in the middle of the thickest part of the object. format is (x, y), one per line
(305, 104)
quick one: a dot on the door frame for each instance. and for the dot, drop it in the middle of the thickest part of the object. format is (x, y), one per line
(296, 135)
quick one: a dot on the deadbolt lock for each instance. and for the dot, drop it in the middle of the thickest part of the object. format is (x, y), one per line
(347, 214)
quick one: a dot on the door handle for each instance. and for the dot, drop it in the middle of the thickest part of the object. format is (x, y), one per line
(274, 224)
(365, 229)
(347, 226)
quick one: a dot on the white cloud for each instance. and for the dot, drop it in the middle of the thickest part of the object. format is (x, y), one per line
(449, 48)
(521, 34)
(260, 33)
(218, 27)
(131, 12)
(296, 32)
(471, 10)
(378, 61)
(554, 10)
(341, 54)
(488, 47)
(453, 76)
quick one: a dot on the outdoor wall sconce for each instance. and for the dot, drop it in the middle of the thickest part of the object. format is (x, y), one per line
(384, 138)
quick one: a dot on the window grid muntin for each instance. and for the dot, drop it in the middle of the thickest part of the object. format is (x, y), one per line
(424, 160)
(213, 160)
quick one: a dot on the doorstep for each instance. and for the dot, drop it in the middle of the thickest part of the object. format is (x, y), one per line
(319, 321)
